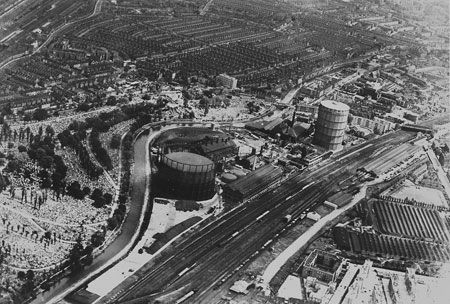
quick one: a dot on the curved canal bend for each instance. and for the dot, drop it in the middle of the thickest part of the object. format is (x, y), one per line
(130, 227)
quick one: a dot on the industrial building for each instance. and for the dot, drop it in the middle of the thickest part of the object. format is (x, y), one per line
(418, 128)
(184, 175)
(324, 266)
(331, 124)
(218, 148)
(247, 186)
(391, 158)
(377, 245)
(377, 124)
(227, 81)
(408, 221)
(396, 230)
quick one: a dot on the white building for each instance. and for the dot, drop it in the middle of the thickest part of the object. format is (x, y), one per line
(381, 125)
(227, 81)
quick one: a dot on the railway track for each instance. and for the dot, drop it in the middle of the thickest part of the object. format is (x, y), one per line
(202, 242)
(212, 269)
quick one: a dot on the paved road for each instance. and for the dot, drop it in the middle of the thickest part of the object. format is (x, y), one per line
(130, 227)
(288, 98)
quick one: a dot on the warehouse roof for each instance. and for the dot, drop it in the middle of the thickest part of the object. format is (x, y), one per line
(263, 175)
(258, 125)
(217, 146)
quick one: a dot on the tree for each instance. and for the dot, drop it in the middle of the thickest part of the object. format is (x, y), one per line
(21, 275)
(30, 275)
(88, 250)
(46, 162)
(7, 109)
(83, 107)
(13, 166)
(46, 183)
(97, 238)
(49, 131)
(115, 141)
(97, 124)
(22, 148)
(107, 198)
(96, 194)
(112, 223)
(86, 190)
(111, 101)
(40, 114)
(75, 257)
(74, 190)
(122, 208)
(99, 202)
(442, 159)
(88, 259)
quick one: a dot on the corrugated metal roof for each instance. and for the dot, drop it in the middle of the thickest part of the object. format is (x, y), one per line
(263, 175)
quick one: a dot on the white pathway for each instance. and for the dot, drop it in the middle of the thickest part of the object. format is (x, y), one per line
(288, 98)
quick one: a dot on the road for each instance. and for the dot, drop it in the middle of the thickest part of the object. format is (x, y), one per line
(198, 264)
(97, 9)
(124, 240)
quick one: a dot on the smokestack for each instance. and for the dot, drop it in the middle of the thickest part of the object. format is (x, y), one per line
(293, 120)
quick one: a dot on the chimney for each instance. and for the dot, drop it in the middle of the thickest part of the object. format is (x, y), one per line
(254, 164)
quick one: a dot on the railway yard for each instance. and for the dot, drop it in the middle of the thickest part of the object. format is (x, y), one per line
(244, 232)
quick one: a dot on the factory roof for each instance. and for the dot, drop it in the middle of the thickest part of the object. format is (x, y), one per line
(298, 129)
(273, 124)
(335, 105)
(217, 146)
(258, 125)
(264, 175)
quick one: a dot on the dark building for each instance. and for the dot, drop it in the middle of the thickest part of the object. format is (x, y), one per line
(417, 128)
(184, 175)
(218, 148)
(322, 265)
(396, 230)
(249, 185)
